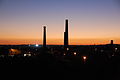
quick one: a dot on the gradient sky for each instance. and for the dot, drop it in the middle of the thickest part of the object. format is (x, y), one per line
(90, 21)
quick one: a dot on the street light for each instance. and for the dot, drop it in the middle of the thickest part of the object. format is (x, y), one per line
(75, 53)
(84, 58)
(36, 45)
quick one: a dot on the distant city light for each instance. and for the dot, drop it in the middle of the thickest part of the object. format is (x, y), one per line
(64, 54)
(27, 54)
(84, 57)
(67, 49)
(75, 53)
(14, 51)
(116, 49)
(36, 45)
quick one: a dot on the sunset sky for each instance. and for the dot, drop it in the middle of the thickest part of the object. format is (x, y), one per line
(90, 21)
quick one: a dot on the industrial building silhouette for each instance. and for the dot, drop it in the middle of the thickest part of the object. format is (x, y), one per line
(102, 61)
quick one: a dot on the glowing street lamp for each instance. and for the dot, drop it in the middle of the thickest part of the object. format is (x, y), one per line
(84, 58)
(67, 49)
(116, 49)
(75, 53)
(36, 45)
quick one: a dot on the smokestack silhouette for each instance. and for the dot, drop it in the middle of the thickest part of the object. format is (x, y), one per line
(66, 34)
(111, 42)
(44, 36)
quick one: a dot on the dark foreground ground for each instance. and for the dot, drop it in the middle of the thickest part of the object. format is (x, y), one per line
(48, 67)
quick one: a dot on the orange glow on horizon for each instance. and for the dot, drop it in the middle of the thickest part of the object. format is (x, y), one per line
(58, 41)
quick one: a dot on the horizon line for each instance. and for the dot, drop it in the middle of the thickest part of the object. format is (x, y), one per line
(59, 44)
